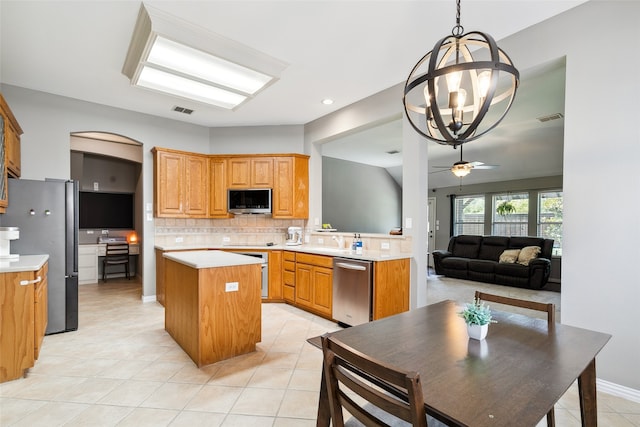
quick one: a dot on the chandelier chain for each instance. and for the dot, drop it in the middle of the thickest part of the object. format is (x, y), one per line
(458, 30)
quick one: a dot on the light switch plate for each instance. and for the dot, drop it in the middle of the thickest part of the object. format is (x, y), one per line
(179, 239)
(384, 245)
(226, 239)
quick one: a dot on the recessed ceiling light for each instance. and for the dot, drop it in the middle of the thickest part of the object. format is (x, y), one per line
(172, 56)
(327, 101)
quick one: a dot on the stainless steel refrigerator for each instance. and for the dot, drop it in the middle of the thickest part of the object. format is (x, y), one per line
(47, 214)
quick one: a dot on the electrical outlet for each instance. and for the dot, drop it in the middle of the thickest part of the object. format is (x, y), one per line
(89, 231)
(320, 240)
(105, 232)
(96, 186)
(231, 287)
(179, 239)
(384, 245)
(226, 239)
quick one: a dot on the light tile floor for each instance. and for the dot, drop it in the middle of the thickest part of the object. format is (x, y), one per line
(122, 369)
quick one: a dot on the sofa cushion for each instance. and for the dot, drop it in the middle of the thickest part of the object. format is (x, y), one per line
(509, 256)
(513, 270)
(481, 265)
(527, 254)
(492, 247)
(455, 263)
(466, 246)
(519, 242)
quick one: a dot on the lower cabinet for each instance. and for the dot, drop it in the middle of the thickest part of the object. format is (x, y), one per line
(314, 283)
(87, 264)
(23, 320)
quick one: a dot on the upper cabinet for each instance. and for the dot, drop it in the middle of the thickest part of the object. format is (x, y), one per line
(188, 185)
(10, 132)
(181, 184)
(291, 187)
(250, 172)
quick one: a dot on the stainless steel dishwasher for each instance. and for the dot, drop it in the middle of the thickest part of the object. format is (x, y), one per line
(352, 289)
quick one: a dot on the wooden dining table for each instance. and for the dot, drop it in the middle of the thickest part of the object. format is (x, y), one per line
(513, 377)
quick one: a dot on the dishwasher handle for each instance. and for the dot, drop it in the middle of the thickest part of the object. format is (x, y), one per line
(350, 266)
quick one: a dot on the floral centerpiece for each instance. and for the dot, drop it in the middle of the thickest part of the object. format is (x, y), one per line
(477, 316)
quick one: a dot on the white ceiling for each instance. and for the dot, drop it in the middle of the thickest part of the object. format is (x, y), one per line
(345, 50)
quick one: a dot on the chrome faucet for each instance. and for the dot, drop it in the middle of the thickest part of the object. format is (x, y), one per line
(339, 240)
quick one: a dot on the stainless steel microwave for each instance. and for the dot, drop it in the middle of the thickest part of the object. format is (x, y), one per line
(249, 201)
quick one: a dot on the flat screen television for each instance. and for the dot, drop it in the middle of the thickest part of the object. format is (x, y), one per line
(106, 210)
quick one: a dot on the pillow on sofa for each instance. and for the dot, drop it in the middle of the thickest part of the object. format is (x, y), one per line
(527, 254)
(510, 256)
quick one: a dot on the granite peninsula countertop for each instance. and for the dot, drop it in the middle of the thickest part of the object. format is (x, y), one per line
(367, 255)
(23, 263)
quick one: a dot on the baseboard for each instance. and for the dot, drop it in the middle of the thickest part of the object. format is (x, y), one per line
(618, 390)
(149, 298)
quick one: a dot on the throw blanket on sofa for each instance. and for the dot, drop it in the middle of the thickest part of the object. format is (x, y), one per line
(523, 262)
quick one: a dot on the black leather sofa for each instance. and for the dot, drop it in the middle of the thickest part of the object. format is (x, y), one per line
(478, 258)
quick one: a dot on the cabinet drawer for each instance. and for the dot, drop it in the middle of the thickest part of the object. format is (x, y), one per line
(289, 265)
(319, 260)
(289, 278)
(290, 256)
(289, 293)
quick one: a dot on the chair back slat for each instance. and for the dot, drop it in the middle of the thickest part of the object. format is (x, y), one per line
(549, 308)
(388, 393)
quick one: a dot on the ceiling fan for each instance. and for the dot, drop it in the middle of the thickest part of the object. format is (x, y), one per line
(462, 168)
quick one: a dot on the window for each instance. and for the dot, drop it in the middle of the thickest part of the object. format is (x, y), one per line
(550, 218)
(468, 217)
(510, 215)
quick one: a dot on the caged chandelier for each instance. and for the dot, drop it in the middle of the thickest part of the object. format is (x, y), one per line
(461, 89)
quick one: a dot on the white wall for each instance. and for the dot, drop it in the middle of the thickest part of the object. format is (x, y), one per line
(257, 139)
(600, 284)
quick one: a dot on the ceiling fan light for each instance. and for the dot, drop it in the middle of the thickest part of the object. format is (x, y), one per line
(461, 170)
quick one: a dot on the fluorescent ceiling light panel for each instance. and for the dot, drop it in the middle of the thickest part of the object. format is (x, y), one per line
(176, 57)
(193, 62)
(162, 81)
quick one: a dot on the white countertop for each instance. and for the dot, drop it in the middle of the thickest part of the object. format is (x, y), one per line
(211, 259)
(367, 255)
(23, 263)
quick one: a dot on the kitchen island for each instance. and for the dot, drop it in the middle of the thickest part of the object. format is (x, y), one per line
(213, 303)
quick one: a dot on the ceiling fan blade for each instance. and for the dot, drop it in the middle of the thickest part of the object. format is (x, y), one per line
(483, 166)
(443, 170)
(441, 167)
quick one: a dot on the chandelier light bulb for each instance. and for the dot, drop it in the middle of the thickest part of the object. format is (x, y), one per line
(453, 81)
(462, 99)
(484, 80)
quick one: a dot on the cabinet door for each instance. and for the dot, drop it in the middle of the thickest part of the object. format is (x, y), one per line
(291, 187)
(322, 289)
(197, 186)
(17, 326)
(87, 264)
(239, 172)
(3, 166)
(169, 184)
(41, 311)
(304, 278)
(254, 172)
(391, 287)
(275, 275)
(262, 172)
(218, 188)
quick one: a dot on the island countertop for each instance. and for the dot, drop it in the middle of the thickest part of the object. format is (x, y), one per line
(23, 263)
(210, 259)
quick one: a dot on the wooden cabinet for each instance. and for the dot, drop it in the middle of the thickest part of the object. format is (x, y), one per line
(181, 184)
(23, 320)
(391, 287)
(289, 276)
(314, 283)
(41, 309)
(275, 275)
(10, 132)
(218, 188)
(250, 172)
(291, 187)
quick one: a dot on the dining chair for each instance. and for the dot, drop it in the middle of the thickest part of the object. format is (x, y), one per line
(116, 254)
(549, 308)
(374, 393)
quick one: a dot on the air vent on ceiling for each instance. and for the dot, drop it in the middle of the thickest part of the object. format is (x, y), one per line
(393, 152)
(550, 117)
(182, 110)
